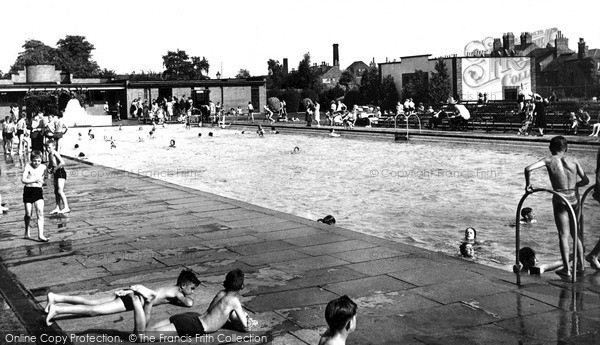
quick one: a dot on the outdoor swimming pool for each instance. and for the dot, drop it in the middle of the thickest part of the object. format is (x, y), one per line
(415, 193)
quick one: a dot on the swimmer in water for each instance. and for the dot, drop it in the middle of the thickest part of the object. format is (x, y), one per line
(260, 131)
(113, 145)
(470, 235)
(328, 219)
(296, 150)
(199, 135)
(79, 136)
(466, 250)
(210, 134)
(140, 129)
(527, 216)
(120, 127)
(528, 262)
(332, 133)
(172, 143)
(140, 139)
(76, 146)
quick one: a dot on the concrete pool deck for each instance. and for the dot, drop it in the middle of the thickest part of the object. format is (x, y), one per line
(126, 229)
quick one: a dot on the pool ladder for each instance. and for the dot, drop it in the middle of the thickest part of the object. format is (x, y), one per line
(406, 118)
(574, 222)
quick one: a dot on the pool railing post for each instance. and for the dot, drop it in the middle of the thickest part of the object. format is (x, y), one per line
(573, 222)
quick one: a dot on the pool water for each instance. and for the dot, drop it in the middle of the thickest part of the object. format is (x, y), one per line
(416, 193)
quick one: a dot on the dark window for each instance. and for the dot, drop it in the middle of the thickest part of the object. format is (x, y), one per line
(255, 97)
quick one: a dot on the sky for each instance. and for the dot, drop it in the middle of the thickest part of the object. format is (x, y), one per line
(132, 35)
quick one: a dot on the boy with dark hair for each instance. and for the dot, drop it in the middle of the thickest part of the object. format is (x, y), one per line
(340, 315)
(225, 307)
(563, 171)
(180, 294)
(33, 194)
(56, 166)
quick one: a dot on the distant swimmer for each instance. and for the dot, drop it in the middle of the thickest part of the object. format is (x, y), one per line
(260, 131)
(328, 219)
(470, 235)
(151, 134)
(332, 133)
(172, 143)
(76, 146)
(296, 150)
(113, 145)
(199, 135)
(81, 154)
(210, 134)
(90, 134)
(140, 129)
(120, 127)
(224, 125)
(140, 139)
(79, 136)
(273, 130)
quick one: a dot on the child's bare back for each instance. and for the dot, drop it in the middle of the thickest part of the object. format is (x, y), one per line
(224, 305)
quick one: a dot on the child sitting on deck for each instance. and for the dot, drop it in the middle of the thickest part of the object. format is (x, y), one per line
(340, 315)
(225, 307)
(180, 294)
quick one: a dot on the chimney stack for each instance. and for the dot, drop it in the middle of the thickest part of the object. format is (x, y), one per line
(497, 44)
(582, 49)
(336, 55)
(285, 65)
(508, 41)
(561, 43)
(526, 38)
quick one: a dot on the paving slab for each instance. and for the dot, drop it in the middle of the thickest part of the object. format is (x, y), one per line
(293, 267)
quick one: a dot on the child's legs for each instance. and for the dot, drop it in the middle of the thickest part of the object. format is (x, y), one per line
(139, 316)
(39, 212)
(115, 305)
(56, 298)
(59, 191)
(27, 218)
(561, 218)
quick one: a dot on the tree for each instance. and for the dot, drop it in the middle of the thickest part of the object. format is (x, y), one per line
(74, 55)
(440, 87)
(346, 79)
(242, 74)
(305, 77)
(276, 77)
(388, 93)
(179, 66)
(369, 86)
(417, 87)
(35, 53)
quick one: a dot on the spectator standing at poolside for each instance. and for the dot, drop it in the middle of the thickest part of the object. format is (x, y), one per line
(539, 114)
(38, 124)
(169, 106)
(316, 114)
(332, 110)
(250, 112)
(213, 111)
(21, 130)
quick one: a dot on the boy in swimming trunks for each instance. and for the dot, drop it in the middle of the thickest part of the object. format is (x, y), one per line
(179, 294)
(226, 306)
(56, 165)
(340, 315)
(563, 171)
(33, 195)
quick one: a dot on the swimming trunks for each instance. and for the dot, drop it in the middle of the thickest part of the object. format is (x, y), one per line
(568, 194)
(60, 173)
(127, 302)
(20, 132)
(187, 324)
(32, 194)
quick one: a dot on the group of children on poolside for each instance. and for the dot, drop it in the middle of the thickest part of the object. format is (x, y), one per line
(225, 310)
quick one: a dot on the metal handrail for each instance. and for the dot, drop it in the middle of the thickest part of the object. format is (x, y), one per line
(407, 117)
(573, 223)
